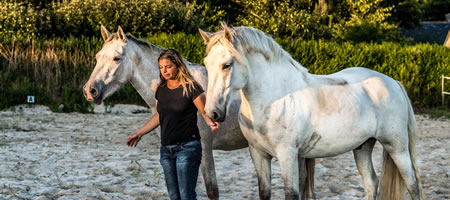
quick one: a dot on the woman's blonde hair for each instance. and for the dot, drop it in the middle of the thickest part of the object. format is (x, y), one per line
(184, 77)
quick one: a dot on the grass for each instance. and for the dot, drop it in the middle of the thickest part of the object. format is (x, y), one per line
(439, 112)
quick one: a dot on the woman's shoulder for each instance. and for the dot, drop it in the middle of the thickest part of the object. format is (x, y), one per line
(197, 86)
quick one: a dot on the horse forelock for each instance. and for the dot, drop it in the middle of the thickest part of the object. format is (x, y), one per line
(250, 40)
(217, 38)
(111, 37)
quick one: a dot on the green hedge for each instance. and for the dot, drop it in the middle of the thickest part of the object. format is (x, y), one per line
(83, 17)
(55, 70)
(418, 67)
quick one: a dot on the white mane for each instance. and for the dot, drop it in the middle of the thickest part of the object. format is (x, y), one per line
(247, 40)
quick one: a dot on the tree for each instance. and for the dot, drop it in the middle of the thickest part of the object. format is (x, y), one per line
(435, 10)
(367, 21)
(405, 13)
(287, 18)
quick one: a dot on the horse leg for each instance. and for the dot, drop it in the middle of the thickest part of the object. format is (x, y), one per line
(403, 163)
(302, 174)
(208, 169)
(263, 171)
(290, 173)
(306, 168)
(363, 158)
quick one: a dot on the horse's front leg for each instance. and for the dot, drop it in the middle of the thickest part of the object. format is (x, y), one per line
(289, 171)
(262, 161)
(208, 168)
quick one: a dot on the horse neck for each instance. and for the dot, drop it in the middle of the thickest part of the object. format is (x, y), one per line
(145, 70)
(277, 78)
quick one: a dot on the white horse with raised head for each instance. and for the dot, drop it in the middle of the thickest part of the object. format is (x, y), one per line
(124, 58)
(287, 113)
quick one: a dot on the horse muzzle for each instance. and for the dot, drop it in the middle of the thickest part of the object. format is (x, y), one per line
(218, 114)
(92, 93)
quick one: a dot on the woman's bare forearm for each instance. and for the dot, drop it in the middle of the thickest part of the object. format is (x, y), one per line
(150, 125)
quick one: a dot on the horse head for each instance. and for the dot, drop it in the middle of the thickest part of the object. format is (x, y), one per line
(110, 72)
(227, 71)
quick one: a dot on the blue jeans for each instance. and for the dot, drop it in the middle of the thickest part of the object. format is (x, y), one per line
(181, 163)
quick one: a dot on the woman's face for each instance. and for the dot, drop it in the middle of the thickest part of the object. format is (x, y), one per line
(168, 69)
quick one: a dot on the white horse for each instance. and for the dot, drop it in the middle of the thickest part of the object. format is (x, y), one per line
(287, 113)
(124, 59)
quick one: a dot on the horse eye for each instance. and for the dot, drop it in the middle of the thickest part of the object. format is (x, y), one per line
(226, 66)
(116, 58)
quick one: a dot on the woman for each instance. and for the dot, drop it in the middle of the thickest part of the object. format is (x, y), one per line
(178, 97)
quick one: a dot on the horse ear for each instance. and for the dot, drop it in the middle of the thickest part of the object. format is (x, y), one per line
(122, 35)
(205, 35)
(227, 32)
(105, 33)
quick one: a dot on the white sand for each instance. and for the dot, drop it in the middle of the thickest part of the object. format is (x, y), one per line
(46, 155)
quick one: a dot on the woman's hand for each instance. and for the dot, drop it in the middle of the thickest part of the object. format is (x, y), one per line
(133, 140)
(214, 126)
(199, 102)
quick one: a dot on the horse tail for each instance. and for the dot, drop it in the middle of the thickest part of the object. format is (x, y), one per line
(392, 184)
(308, 187)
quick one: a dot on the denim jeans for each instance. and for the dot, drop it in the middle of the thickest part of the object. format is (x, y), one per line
(181, 164)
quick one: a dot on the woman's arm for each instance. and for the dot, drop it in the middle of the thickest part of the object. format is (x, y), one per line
(133, 139)
(200, 104)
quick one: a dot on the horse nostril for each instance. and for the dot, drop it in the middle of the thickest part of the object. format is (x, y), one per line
(94, 92)
(216, 116)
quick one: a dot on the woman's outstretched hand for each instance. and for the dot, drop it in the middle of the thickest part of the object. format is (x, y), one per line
(133, 140)
(214, 126)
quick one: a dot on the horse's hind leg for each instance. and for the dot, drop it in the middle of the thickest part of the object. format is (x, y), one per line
(363, 158)
(263, 171)
(403, 162)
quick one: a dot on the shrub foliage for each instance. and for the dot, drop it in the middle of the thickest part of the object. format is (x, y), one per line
(55, 70)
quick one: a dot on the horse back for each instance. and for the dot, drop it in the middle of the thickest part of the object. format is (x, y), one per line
(199, 73)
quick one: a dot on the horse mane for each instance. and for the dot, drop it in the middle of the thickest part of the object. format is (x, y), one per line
(247, 40)
(143, 43)
(139, 42)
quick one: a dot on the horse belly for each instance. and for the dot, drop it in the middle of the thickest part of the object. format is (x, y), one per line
(341, 136)
(329, 148)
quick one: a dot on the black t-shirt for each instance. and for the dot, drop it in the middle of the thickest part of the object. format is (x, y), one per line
(177, 114)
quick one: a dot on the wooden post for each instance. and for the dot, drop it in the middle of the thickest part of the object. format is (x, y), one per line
(447, 40)
(443, 89)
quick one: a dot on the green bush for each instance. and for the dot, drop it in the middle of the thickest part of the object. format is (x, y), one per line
(367, 23)
(55, 70)
(367, 32)
(361, 20)
(141, 17)
(418, 67)
(283, 19)
(435, 10)
(84, 17)
(18, 20)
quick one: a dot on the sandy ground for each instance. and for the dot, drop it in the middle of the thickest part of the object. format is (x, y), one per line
(46, 155)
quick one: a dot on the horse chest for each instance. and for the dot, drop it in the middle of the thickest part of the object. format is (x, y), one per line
(269, 132)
